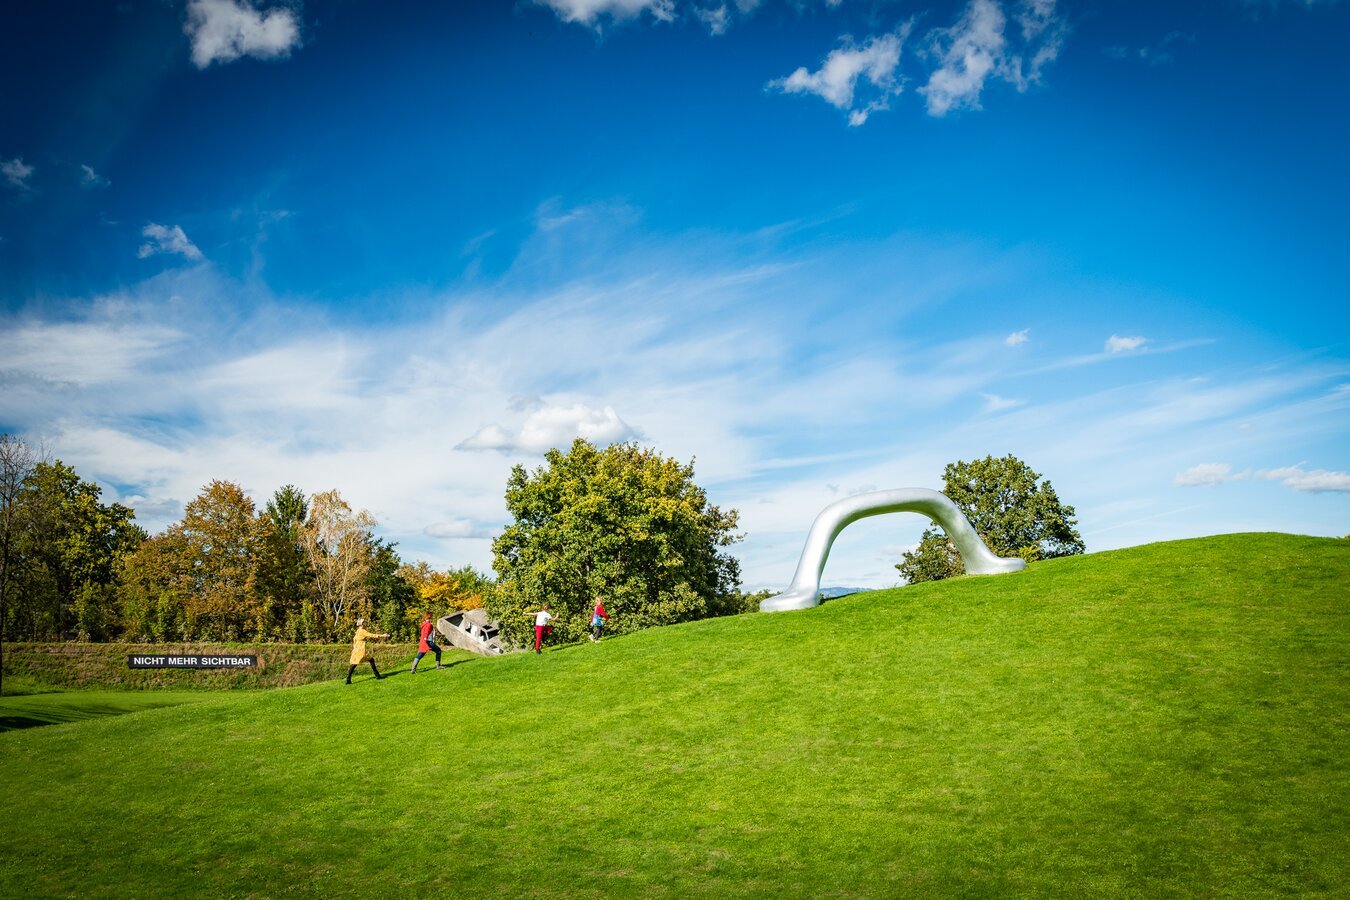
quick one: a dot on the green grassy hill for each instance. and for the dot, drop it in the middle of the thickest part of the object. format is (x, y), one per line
(1170, 719)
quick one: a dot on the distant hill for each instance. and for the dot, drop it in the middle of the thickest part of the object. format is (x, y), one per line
(1164, 720)
(829, 593)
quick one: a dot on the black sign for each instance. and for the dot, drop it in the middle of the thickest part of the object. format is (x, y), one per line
(192, 661)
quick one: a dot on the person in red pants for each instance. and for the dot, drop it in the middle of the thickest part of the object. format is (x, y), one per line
(541, 627)
(426, 645)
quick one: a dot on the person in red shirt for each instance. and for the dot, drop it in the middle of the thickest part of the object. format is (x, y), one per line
(598, 619)
(426, 644)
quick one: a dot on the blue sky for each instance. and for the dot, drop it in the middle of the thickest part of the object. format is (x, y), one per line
(820, 247)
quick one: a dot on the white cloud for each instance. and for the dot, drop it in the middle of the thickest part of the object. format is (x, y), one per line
(225, 30)
(1205, 474)
(1258, 6)
(16, 172)
(977, 48)
(99, 352)
(1315, 481)
(973, 50)
(458, 528)
(1118, 344)
(837, 79)
(691, 340)
(995, 403)
(1295, 478)
(589, 12)
(553, 426)
(91, 179)
(1017, 337)
(167, 240)
(714, 17)
(1156, 54)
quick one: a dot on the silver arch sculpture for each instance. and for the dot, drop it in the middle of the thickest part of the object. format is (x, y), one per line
(804, 592)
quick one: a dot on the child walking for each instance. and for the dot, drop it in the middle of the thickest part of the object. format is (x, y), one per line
(598, 619)
(359, 652)
(425, 643)
(541, 627)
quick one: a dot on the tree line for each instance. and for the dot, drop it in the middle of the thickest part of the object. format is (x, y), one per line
(301, 568)
(621, 522)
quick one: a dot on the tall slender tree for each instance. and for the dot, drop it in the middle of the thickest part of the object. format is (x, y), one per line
(340, 547)
(16, 464)
(284, 579)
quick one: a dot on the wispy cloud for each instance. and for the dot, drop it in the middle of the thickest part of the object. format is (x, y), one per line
(100, 350)
(161, 239)
(591, 12)
(715, 15)
(716, 18)
(1204, 474)
(976, 49)
(1312, 481)
(16, 172)
(1295, 478)
(676, 342)
(460, 529)
(995, 403)
(1117, 344)
(1258, 6)
(837, 79)
(1158, 53)
(91, 179)
(1018, 337)
(225, 30)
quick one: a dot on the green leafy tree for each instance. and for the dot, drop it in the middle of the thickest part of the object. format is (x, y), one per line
(67, 548)
(741, 602)
(1013, 509)
(207, 576)
(153, 587)
(624, 523)
(391, 594)
(219, 539)
(283, 577)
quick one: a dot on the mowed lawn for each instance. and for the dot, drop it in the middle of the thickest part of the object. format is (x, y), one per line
(33, 710)
(1165, 720)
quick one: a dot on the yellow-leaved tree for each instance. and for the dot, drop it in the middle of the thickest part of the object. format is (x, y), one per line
(340, 547)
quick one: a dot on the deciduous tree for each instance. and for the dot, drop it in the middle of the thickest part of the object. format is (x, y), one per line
(340, 547)
(625, 523)
(219, 539)
(1013, 509)
(66, 540)
(16, 464)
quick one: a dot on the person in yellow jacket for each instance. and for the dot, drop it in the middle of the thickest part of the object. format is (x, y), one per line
(359, 652)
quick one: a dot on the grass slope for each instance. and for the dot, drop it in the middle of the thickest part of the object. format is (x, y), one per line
(1170, 719)
(56, 708)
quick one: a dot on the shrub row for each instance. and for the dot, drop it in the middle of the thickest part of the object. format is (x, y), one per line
(75, 666)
